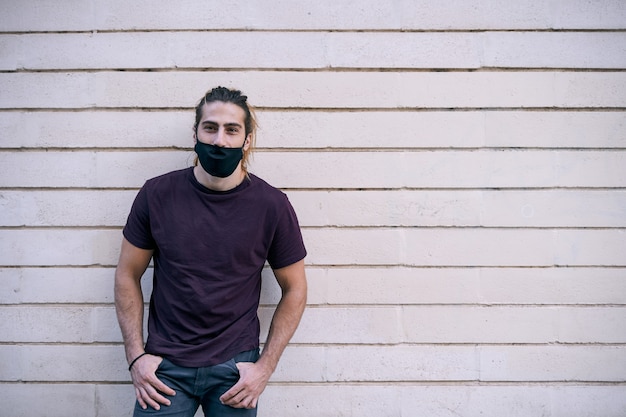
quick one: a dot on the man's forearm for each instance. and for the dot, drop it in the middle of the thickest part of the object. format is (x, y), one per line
(284, 323)
(129, 308)
(129, 297)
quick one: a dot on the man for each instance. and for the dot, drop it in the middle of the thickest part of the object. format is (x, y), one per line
(209, 230)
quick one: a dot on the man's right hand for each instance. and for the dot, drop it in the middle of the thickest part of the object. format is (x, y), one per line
(148, 388)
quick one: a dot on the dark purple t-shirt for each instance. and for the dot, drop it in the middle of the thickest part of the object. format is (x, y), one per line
(209, 250)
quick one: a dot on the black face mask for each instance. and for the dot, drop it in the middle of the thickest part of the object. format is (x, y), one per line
(217, 161)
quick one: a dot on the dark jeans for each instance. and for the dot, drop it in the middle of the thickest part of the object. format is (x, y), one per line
(200, 386)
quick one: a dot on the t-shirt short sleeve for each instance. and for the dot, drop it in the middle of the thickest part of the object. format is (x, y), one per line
(137, 230)
(287, 245)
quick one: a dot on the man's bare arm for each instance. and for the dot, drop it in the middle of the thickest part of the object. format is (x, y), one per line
(129, 297)
(129, 307)
(292, 281)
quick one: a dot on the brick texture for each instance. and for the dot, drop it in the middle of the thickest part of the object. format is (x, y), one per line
(458, 169)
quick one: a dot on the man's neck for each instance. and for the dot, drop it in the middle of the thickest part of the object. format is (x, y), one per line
(217, 183)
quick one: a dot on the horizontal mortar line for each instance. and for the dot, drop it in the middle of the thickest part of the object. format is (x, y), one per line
(457, 189)
(486, 68)
(63, 344)
(573, 381)
(443, 109)
(344, 189)
(479, 304)
(101, 149)
(86, 266)
(464, 227)
(319, 69)
(381, 383)
(440, 227)
(467, 346)
(67, 227)
(346, 227)
(330, 306)
(430, 149)
(64, 266)
(423, 267)
(344, 267)
(485, 266)
(456, 344)
(322, 109)
(450, 382)
(64, 189)
(358, 345)
(65, 304)
(24, 382)
(460, 346)
(361, 382)
(372, 266)
(321, 30)
(460, 383)
(371, 149)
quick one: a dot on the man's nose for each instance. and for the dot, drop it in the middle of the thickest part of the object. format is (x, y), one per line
(220, 138)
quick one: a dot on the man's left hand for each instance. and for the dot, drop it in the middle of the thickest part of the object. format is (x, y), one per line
(246, 392)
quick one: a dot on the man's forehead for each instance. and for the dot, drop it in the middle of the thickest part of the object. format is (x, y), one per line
(222, 113)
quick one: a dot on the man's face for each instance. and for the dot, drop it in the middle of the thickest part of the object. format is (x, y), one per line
(222, 124)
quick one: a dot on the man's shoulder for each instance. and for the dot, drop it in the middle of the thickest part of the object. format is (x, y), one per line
(168, 178)
(264, 188)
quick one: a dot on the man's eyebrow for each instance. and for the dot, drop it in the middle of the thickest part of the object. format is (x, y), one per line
(210, 122)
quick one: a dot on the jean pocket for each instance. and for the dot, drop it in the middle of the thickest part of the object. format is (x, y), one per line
(230, 367)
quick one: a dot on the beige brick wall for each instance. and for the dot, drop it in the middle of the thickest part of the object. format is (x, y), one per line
(458, 167)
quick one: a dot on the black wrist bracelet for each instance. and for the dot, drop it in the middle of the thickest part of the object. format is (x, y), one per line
(135, 360)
